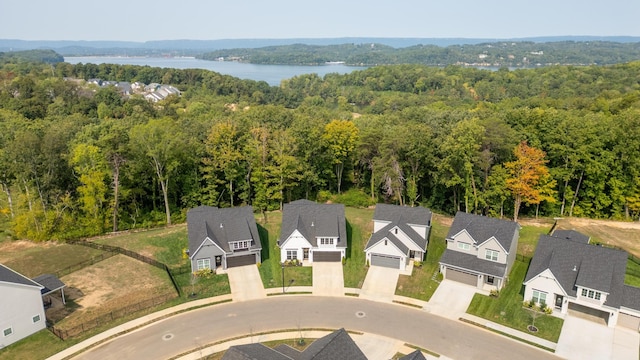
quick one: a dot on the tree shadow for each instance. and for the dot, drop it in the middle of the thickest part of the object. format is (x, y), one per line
(264, 241)
(349, 240)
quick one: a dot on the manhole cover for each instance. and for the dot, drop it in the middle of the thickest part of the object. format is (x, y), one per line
(360, 314)
(166, 337)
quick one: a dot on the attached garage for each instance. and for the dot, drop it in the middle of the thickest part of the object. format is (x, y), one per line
(629, 321)
(461, 276)
(241, 260)
(585, 312)
(385, 261)
(327, 256)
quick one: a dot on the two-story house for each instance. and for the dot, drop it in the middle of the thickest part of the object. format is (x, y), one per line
(222, 237)
(400, 234)
(568, 274)
(480, 250)
(313, 232)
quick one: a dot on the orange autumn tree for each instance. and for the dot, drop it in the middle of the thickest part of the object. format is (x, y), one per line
(529, 179)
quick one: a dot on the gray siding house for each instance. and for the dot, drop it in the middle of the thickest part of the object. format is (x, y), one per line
(222, 238)
(21, 308)
(400, 235)
(480, 250)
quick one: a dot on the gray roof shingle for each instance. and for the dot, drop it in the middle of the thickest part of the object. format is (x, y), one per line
(471, 262)
(579, 264)
(49, 282)
(253, 352)
(314, 220)
(631, 297)
(416, 355)
(222, 226)
(571, 235)
(10, 276)
(482, 228)
(402, 217)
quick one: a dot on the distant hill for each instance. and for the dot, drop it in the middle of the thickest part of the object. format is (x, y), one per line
(41, 56)
(192, 47)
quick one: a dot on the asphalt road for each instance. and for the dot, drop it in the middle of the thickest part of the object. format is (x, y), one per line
(183, 332)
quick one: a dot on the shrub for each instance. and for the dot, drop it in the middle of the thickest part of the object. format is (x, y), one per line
(494, 293)
(204, 273)
(354, 198)
(323, 196)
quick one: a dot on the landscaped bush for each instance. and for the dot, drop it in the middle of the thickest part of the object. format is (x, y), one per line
(354, 198)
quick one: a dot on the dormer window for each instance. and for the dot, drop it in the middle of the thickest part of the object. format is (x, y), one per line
(464, 246)
(491, 255)
(326, 241)
(240, 245)
(591, 294)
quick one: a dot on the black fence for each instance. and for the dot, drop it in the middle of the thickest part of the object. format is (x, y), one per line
(65, 333)
(131, 254)
(81, 265)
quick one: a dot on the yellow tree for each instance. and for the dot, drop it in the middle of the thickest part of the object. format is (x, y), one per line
(340, 137)
(529, 180)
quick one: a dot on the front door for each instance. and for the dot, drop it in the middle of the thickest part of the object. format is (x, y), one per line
(218, 261)
(412, 254)
(559, 299)
(305, 254)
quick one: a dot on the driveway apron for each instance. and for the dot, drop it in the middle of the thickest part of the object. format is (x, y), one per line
(451, 299)
(380, 284)
(584, 339)
(245, 283)
(328, 279)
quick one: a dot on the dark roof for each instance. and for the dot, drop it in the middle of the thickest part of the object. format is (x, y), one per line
(50, 283)
(472, 262)
(482, 228)
(416, 355)
(571, 235)
(335, 346)
(631, 297)
(10, 276)
(253, 352)
(314, 220)
(402, 217)
(222, 226)
(580, 264)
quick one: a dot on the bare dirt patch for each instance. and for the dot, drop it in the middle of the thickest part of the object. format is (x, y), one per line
(622, 234)
(9, 249)
(111, 285)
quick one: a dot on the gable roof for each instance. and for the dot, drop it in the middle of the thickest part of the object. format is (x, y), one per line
(314, 220)
(580, 264)
(8, 275)
(402, 217)
(571, 235)
(472, 262)
(221, 226)
(416, 355)
(334, 346)
(482, 228)
(49, 282)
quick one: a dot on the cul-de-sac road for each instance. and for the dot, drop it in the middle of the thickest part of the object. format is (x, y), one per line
(181, 333)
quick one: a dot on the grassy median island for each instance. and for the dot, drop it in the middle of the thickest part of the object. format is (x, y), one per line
(507, 308)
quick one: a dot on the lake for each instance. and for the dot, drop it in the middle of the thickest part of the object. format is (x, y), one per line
(272, 74)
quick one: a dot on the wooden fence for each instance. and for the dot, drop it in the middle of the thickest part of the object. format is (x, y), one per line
(81, 265)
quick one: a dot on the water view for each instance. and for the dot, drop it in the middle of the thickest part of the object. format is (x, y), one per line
(272, 74)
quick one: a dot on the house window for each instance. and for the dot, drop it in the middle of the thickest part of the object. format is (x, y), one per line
(539, 297)
(7, 331)
(240, 245)
(490, 279)
(591, 294)
(491, 255)
(292, 254)
(464, 246)
(395, 231)
(204, 264)
(36, 318)
(326, 241)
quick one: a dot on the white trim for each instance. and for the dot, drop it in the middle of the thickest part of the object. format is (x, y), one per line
(453, 238)
(296, 232)
(204, 264)
(368, 250)
(564, 292)
(202, 244)
(496, 240)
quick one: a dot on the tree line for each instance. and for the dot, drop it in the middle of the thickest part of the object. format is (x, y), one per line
(520, 54)
(78, 160)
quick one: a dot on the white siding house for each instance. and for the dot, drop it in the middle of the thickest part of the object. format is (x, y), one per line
(21, 308)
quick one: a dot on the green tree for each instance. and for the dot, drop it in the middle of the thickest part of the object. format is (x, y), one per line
(91, 167)
(340, 138)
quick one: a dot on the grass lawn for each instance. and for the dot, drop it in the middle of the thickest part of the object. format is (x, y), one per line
(507, 309)
(163, 244)
(194, 288)
(424, 281)
(633, 274)
(359, 228)
(270, 268)
(33, 259)
(528, 240)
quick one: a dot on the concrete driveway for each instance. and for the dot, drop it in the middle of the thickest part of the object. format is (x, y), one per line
(585, 339)
(245, 283)
(380, 284)
(328, 279)
(451, 299)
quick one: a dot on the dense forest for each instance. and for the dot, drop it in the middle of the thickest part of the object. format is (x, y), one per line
(521, 54)
(78, 160)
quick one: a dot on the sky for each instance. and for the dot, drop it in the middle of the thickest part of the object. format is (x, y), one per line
(135, 20)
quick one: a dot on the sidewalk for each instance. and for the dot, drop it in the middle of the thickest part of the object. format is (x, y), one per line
(513, 332)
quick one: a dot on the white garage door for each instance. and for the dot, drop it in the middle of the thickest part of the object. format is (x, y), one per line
(461, 276)
(629, 321)
(385, 261)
